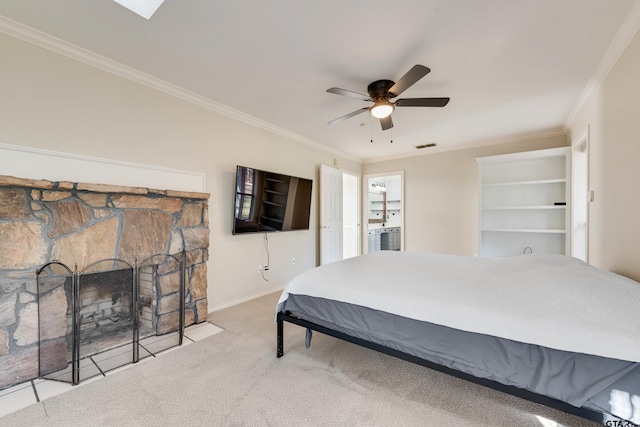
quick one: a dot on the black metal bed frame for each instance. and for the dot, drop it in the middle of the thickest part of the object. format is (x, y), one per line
(512, 390)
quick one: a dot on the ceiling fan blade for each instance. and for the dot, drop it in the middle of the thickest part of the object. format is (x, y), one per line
(346, 116)
(349, 93)
(422, 102)
(386, 122)
(408, 80)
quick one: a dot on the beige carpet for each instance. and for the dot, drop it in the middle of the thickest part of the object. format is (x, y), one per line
(234, 379)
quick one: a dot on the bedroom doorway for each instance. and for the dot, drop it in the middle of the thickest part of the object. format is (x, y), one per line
(339, 214)
(383, 214)
(350, 215)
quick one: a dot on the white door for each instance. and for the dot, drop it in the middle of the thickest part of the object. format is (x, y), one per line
(330, 215)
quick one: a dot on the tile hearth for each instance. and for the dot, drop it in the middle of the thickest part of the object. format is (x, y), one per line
(96, 367)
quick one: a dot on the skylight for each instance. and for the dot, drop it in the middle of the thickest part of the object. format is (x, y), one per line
(144, 8)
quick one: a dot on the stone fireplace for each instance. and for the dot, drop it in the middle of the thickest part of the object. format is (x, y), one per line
(50, 231)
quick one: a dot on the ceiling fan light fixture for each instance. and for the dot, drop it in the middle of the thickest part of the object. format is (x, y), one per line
(382, 108)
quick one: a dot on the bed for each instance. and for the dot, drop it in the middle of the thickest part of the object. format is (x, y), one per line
(548, 328)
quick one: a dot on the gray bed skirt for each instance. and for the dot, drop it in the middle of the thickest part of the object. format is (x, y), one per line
(593, 382)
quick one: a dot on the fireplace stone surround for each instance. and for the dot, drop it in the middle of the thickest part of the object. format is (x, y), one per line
(76, 224)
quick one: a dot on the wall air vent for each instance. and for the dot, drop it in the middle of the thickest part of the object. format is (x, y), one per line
(420, 147)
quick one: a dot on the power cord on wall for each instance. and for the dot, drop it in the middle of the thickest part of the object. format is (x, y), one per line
(266, 249)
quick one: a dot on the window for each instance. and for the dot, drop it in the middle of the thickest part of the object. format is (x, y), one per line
(245, 191)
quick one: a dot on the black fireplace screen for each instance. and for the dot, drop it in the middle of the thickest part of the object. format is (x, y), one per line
(107, 315)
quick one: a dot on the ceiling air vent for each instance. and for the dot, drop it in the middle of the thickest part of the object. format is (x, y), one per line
(420, 147)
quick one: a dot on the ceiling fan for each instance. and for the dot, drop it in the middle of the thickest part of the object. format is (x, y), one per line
(381, 92)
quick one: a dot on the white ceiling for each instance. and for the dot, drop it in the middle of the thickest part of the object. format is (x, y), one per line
(510, 67)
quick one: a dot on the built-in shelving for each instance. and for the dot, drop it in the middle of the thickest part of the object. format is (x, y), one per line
(523, 202)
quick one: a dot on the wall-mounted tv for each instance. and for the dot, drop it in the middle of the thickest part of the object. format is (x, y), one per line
(268, 201)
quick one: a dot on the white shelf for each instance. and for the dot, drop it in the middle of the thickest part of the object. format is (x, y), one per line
(508, 208)
(532, 182)
(525, 230)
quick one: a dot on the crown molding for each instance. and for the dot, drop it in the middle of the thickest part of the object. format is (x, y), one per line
(61, 47)
(618, 45)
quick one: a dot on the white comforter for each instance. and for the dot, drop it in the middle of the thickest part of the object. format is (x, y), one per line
(549, 300)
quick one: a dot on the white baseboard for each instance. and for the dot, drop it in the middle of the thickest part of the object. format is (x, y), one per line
(241, 300)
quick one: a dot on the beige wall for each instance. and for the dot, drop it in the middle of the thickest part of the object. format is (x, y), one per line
(612, 116)
(441, 194)
(51, 102)
(55, 103)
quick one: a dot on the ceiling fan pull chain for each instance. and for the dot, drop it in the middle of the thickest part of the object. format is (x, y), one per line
(371, 127)
(391, 135)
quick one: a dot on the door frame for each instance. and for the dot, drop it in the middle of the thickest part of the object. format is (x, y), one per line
(579, 146)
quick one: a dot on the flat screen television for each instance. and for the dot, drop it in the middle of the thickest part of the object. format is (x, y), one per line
(270, 202)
